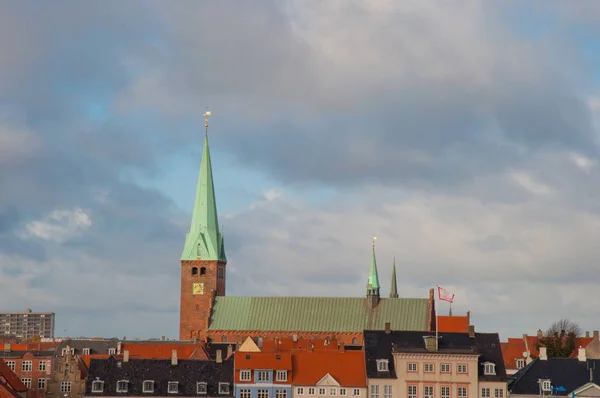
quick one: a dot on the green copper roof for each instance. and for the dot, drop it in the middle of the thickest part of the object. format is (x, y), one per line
(394, 288)
(204, 240)
(317, 314)
(373, 283)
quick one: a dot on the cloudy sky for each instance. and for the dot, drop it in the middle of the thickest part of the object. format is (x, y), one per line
(464, 134)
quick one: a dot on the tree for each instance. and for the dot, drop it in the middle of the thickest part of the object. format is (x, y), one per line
(560, 339)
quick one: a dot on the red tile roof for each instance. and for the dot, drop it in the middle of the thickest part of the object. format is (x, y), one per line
(288, 344)
(164, 351)
(348, 367)
(263, 360)
(11, 378)
(511, 350)
(458, 324)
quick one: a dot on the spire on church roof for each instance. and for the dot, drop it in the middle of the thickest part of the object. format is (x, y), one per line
(394, 288)
(204, 241)
(373, 284)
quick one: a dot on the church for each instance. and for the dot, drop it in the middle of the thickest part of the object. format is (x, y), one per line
(206, 313)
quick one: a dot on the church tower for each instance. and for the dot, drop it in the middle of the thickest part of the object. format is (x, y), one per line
(203, 259)
(373, 282)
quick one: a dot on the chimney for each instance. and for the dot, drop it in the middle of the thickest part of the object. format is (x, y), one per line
(124, 338)
(472, 331)
(7, 347)
(174, 357)
(162, 338)
(219, 356)
(295, 338)
(229, 350)
(587, 335)
(126, 356)
(540, 334)
(468, 317)
(596, 336)
(581, 354)
(543, 355)
(119, 348)
(387, 328)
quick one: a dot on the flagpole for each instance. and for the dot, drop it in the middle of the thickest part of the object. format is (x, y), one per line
(437, 322)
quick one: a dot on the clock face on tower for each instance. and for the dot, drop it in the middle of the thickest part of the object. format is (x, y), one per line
(198, 288)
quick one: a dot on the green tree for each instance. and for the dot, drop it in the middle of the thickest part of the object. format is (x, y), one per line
(560, 339)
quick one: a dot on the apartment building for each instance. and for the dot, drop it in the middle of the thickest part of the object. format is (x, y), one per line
(27, 324)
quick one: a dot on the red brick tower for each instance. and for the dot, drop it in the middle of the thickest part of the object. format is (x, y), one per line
(203, 260)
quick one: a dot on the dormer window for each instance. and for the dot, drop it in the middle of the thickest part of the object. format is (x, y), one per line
(112, 351)
(489, 368)
(148, 386)
(520, 363)
(223, 388)
(122, 385)
(546, 385)
(281, 375)
(86, 351)
(173, 387)
(97, 386)
(382, 365)
(200, 388)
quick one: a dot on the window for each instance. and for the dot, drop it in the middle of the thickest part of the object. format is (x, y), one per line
(445, 368)
(194, 271)
(11, 365)
(520, 363)
(280, 394)
(41, 384)
(321, 391)
(200, 388)
(412, 391)
(445, 392)
(223, 388)
(356, 392)
(387, 391)
(428, 367)
(489, 369)
(485, 393)
(374, 391)
(382, 365)
(342, 391)
(65, 386)
(64, 352)
(203, 271)
(245, 393)
(42, 366)
(112, 351)
(332, 391)
(499, 392)
(263, 375)
(428, 392)
(311, 391)
(86, 351)
(262, 393)
(461, 368)
(27, 366)
(173, 387)
(299, 391)
(27, 382)
(148, 386)
(461, 392)
(122, 385)
(97, 386)
(281, 375)
(245, 375)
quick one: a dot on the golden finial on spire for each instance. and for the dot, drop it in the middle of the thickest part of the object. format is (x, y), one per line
(206, 115)
(374, 239)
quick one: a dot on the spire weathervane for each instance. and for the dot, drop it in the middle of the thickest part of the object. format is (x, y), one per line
(206, 115)
(374, 239)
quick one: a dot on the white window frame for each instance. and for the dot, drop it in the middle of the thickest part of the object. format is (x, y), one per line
(95, 385)
(412, 367)
(311, 390)
(245, 375)
(148, 390)
(499, 393)
(387, 391)
(173, 387)
(356, 392)
(281, 375)
(520, 362)
(26, 381)
(425, 395)
(223, 388)
(27, 366)
(374, 391)
(120, 387)
(65, 386)
(64, 352)
(464, 388)
(322, 391)
(343, 391)
(262, 375)
(383, 365)
(41, 383)
(281, 393)
(86, 351)
(11, 365)
(462, 368)
(112, 351)
(262, 393)
(447, 390)
(408, 388)
(489, 368)
(429, 367)
(333, 391)
(445, 368)
(299, 390)
(486, 392)
(201, 388)
(42, 366)
(245, 393)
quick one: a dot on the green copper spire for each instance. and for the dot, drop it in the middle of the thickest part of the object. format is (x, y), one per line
(394, 288)
(373, 285)
(204, 241)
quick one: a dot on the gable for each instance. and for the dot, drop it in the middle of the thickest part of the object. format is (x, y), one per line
(328, 380)
(249, 346)
(588, 390)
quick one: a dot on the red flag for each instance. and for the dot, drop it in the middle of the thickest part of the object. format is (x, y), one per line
(445, 295)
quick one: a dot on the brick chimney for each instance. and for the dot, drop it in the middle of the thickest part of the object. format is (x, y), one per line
(587, 335)
(387, 328)
(174, 357)
(596, 335)
(126, 356)
(581, 354)
(219, 356)
(472, 331)
(229, 350)
(543, 354)
(540, 334)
